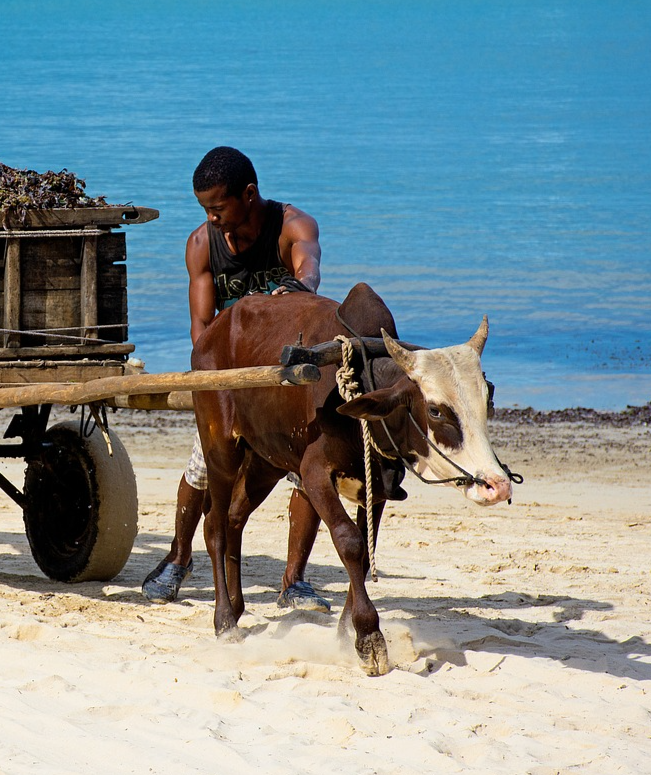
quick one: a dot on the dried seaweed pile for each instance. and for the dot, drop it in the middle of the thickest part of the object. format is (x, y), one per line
(23, 190)
(632, 415)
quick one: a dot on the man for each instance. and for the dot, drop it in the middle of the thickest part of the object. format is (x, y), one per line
(247, 245)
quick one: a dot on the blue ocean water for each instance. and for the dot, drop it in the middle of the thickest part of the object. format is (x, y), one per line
(463, 156)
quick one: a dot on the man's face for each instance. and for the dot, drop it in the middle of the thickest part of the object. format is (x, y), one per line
(227, 213)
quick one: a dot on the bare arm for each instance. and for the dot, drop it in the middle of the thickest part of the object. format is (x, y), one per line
(202, 286)
(300, 249)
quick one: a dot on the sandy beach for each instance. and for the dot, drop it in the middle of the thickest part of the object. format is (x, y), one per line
(520, 636)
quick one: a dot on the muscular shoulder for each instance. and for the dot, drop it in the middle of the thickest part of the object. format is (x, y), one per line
(197, 249)
(298, 226)
(199, 237)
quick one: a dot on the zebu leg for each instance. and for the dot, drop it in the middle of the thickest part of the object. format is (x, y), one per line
(349, 543)
(345, 621)
(215, 528)
(224, 456)
(255, 480)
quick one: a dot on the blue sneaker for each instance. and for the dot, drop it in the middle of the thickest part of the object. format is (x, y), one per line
(301, 595)
(163, 583)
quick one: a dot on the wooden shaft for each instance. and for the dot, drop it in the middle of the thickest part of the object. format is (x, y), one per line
(12, 292)
(177, 400)
(142, 384)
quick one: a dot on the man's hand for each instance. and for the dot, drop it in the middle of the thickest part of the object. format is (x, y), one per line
(290, 284)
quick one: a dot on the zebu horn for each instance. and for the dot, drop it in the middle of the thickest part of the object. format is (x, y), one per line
(404, 358)
(478, 339)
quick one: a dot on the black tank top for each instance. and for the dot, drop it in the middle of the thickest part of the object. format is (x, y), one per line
(258, 269)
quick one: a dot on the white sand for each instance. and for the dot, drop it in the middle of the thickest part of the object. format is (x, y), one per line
(520, 636)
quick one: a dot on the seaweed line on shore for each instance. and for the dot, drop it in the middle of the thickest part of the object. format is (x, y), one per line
(629, 417)
(632, 415)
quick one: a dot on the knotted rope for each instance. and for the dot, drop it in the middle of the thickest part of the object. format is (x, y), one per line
(349, 389)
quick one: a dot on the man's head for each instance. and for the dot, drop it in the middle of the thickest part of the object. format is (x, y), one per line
(227, 167)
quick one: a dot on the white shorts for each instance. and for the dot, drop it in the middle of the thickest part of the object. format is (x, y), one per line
(196, 473)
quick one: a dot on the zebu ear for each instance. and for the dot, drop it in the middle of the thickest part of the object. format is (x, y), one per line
(478, 339)
(404, 358)
(372, 406)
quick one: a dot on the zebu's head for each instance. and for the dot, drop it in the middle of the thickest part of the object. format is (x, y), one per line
(447, 396)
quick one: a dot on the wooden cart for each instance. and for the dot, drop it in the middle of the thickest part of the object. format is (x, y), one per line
(64, 341)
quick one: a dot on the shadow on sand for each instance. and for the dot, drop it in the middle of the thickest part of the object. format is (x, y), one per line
(443, 629)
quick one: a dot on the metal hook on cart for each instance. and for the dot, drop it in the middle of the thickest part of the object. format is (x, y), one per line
(98, 412)
(86, 424)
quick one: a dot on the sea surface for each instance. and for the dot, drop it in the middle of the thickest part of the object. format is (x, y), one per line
(462, 156)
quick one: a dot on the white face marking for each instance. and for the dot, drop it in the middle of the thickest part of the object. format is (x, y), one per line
(452, 376)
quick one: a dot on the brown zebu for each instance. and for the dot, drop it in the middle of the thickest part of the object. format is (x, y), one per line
(253, 438)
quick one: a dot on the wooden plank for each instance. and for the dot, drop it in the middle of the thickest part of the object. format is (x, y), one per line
(50, 309)
(66, 351)
(11, 316)
(51, 292)
(88, 287)
(7, 366)
(142, 384)
(112, 276)
(51, 257)
(36, 301)
(113, 310)
(51, 279)
(59, 309)
(68, 217)
(53, 271)
(111, 247)
(58, 374)
(61, 257)
(112, 286)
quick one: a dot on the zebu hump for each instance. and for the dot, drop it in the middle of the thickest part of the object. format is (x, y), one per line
(254, 330)
(365, 312)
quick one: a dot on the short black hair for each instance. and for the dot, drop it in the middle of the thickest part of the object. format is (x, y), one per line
(224, 166)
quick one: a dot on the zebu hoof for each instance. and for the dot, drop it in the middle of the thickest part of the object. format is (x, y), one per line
(233, 635)
(345, 629)
(372, 651)
(226, 629)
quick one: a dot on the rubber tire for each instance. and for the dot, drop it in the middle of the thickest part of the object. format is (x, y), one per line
(81, 510)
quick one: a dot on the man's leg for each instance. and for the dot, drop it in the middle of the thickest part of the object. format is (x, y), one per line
(163, 583)
(189, 502)
(303, 527)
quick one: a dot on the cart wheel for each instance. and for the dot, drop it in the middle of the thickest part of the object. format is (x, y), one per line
(81, 510)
